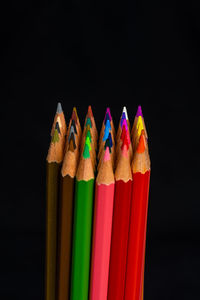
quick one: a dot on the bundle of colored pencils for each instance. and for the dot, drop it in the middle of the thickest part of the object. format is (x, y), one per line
(97, 204)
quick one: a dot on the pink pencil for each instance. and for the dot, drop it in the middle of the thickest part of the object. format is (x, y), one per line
(103, 212)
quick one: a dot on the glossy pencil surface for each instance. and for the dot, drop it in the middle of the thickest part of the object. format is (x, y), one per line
(54, 160)
(138, 221)
(103, 212)
(119, 241)
(82, 234)
(83, 215)
(52, 177)
(136, 246)
(65, 236)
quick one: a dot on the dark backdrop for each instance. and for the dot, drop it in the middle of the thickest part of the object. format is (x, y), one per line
(138, 52)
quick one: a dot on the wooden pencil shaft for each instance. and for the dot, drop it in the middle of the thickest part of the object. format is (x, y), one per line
(52, 183)
(137, 237)
(119, 241)
(65, 236)
(82, 231)
(103, 212)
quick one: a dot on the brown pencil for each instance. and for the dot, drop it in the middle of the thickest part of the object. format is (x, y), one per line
(54, 160)
(68, 173)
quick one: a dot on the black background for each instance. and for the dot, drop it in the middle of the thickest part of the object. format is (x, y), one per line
(137, 52)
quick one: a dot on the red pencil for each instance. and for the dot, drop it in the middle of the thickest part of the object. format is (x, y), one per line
(138, 221)
(120, 229)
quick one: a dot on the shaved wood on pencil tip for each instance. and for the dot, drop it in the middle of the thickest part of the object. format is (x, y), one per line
(60, 118)
(123, 168)
(69, 165)
(105, 173)
(56, 148)
(85, 169)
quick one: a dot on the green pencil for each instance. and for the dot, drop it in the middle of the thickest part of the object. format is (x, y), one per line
(82, 233)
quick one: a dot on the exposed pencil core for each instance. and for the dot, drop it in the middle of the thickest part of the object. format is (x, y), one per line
(59, 108)
(139, 111)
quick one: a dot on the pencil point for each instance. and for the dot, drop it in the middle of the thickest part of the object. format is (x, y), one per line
(125, 111)
(123, 117)
(139, 111)
(59, 108)
(90, 113)
(108, 113)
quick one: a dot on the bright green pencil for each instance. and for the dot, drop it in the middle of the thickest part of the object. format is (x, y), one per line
(82, 232)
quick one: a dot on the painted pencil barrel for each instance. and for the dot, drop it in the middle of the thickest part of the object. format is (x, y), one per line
(103, 212)
(53, 170)
(137, 237)
(119, 241)
(83, 213)
(65, 236)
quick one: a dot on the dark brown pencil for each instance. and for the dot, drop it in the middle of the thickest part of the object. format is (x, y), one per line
(54, 160)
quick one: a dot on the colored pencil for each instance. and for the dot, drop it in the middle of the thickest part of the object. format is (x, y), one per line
(138, 221)
(124, 115)
(107, 116)
(68, 173)
(82, 231)
(124, 137)
(103, 212)
(138, 126)
(91, 116)
(120, 226)
(107, 137)
(54, 160)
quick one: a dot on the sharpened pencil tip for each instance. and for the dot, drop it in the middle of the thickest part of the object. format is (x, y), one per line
(59, 108)
(125, 111)
(90, 113)
(139, 111)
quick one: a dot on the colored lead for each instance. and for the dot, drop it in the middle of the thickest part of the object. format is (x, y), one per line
(86, 151)
(59, 108)
(139, 112)
(142, 143)
(139, 125)
(88, 122)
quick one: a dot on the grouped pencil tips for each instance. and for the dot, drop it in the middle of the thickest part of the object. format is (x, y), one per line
(97, 188)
